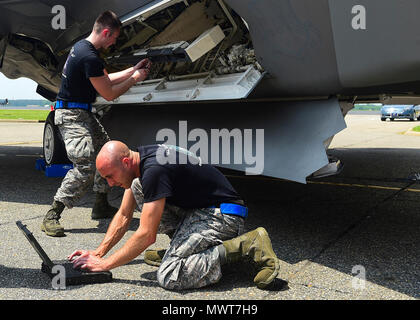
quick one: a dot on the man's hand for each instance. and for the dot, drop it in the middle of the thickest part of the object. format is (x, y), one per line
(111, 86)
(140, 74)
(143, 64)
(80, 252)
(141, 70)
(88, 260)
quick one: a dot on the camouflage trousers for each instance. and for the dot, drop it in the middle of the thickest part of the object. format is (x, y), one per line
(83, 137)
(192, 260)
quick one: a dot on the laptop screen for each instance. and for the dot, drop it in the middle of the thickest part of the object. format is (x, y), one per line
(35, 244)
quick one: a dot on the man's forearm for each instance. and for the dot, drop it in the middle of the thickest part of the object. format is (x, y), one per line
(120, 88)
(142, 238)
(134, 246)
(118, 77)
(110, 91)
(115, 232)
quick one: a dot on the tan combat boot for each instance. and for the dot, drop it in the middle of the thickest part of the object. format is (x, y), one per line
(154, 257)
(256, 245)
(50, 225)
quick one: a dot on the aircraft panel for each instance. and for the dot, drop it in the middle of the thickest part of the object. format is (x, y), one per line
(377, 42)
(293, 42)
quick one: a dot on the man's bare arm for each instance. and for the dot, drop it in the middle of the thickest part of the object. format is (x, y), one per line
(109, 91)
(144, 236)
(119, 224)
(121, 76)
(118, 77)
(116, 229)
(138, 242)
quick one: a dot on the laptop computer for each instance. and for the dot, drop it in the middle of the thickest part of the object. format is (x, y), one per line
(72, 276)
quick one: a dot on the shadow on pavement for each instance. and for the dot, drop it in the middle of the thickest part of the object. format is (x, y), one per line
(336, 226)
(102, 227)
(340, 226)
(26, 278)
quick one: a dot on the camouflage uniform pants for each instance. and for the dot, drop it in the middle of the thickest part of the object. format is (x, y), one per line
(192, 260)
(83, 137)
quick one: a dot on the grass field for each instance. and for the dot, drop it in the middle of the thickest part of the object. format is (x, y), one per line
(367, 107)
(42, 114)
(24, 114)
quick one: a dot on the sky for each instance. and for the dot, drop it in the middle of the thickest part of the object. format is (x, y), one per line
(22, 88)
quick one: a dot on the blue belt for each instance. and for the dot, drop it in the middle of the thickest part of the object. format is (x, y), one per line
(72, 105)
(232, 208)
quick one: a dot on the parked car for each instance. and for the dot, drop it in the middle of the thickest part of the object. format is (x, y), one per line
(392, 112)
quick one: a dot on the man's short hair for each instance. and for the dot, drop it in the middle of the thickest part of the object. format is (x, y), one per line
(107, 19)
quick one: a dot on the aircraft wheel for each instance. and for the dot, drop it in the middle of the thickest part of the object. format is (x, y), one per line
(53, 145)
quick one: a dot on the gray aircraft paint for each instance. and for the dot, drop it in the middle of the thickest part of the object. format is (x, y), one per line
(294, 132)
(386, 51)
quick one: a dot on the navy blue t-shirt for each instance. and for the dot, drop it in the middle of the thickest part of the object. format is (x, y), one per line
(82, 63)
(184, 185)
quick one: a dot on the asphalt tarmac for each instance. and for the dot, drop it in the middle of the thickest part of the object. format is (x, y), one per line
(350, 236)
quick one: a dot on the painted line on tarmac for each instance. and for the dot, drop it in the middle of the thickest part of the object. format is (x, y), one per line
(332, 183)
(19, 142)
(361, 186)
(29, 155)
(21, 155)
